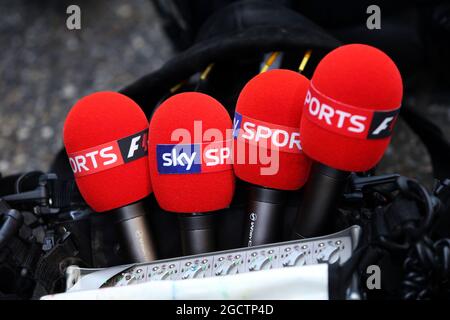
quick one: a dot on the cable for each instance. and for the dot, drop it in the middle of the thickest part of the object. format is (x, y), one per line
(427, 270)
(427, 263)
(203, 77)
(412, 232)
(304, 61)
(270, 61)
(416, 190)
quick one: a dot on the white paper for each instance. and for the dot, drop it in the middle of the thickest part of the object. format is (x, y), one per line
(297, 283)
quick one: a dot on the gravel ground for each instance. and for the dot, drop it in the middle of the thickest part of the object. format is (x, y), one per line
(45, 68)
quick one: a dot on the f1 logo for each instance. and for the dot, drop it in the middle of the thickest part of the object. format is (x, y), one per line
(382, 124)
(134, 147)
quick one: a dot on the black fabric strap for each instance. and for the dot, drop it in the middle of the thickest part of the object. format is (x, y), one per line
(48, 271)
(65, 194)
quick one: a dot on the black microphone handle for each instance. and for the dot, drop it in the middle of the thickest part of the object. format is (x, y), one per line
(138, 240)
(321, 194)
(264, 214)
(198, 233)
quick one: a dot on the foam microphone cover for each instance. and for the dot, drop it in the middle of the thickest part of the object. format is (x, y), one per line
(97, 120)
(363, 83)
(273, 99)
(199, 189)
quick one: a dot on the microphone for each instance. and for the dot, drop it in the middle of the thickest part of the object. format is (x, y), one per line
(105, 136)
(350, 109)
(190, 165)
(268, 153)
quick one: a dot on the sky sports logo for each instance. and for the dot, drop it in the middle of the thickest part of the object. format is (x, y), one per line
(109, 155)
(266, 135)
(193, 158)
(348, 120)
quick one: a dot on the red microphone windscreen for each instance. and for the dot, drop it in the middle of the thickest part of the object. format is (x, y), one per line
(352, 104)
(267, 139)
(105, 135)
(190, 154)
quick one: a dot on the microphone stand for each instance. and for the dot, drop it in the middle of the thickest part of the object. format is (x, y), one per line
(198, 232)
(263, 216)
(322, 192)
